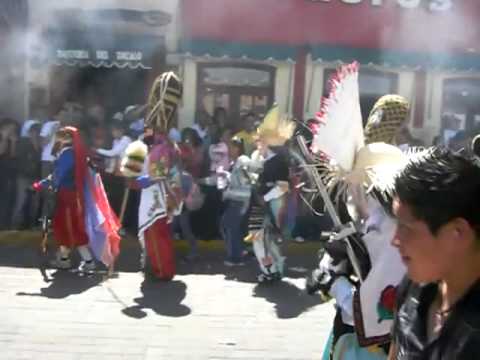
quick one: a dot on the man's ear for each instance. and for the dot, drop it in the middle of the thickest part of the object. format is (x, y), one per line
(462, 232)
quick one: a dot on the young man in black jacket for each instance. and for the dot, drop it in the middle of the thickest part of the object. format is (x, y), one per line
(438, 237)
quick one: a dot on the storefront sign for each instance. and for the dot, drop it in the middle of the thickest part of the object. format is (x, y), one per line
(432, 5)
(73, 54)
(103, 55)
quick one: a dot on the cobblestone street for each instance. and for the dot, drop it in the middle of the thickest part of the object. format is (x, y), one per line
(207, 312)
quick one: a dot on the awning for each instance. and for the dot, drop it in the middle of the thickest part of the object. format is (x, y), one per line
(101, 49)
(391, 58)
(237, 50)
(401, 35)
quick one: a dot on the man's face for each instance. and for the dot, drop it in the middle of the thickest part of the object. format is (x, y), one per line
(226, 136)
(117, 133)
(428, 257)
(250, 124)
(233, 151)
(204, 121)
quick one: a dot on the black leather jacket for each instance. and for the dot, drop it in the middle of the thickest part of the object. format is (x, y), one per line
(459, 338)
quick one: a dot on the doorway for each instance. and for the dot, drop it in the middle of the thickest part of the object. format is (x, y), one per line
(114, 89)
(239, 88)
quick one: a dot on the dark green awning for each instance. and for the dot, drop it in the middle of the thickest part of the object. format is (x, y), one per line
(396, 58)
(237, 50)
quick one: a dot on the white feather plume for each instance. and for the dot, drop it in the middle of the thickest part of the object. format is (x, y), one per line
(340, 132)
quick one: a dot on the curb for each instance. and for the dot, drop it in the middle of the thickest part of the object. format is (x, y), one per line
(32, 239)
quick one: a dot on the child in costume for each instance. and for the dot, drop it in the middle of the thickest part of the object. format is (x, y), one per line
(83, 218)
(276, 195)
(161, 193)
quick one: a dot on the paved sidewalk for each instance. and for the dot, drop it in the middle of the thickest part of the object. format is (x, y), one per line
(206, 312)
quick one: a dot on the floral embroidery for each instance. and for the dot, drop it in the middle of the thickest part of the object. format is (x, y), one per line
(386, 304)
(156, 203)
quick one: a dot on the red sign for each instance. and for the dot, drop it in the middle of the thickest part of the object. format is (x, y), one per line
(432, 5)
(417, 25)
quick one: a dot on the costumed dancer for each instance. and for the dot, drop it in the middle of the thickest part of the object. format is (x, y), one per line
(256, 214)
(160, 198)
(277, 196)
(361, 174)
(83, 218)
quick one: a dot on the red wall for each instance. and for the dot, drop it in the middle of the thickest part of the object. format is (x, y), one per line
(299, 22)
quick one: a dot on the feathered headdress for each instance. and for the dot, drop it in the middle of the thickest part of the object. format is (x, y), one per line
(163, 101)
(350, 167)
(275, 129)
(339, 131)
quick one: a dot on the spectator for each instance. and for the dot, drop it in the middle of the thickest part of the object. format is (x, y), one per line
(114, 181)
(47, 139)
(248, 134)
(438, 239)
(202, 125)
(218, 149)
(459, 141)
(8, 154)
(451, 125)
(226, 137)
(192, 152)
(174, 135)
(135, 115)
(29, 170)
(24, 132)
(220, 118)
(237, 202)
(120, 143)
(183, 221)
(206, 220)
(97, 112)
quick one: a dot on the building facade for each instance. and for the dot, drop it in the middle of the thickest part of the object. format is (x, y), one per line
(245, 55)
(97, 52)
(14, 16)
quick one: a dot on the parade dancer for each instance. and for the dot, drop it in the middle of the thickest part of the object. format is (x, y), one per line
(160, 198)
(276, 195)
(83, 218)
(360, 172)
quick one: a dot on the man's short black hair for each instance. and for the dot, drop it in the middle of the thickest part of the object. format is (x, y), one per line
(439, 186)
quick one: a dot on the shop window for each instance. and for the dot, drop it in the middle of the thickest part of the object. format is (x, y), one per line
(373, 84)
(460, 99)
(239, 88)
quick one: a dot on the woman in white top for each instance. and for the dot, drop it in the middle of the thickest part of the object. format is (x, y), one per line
(115, 154)
(114, 181)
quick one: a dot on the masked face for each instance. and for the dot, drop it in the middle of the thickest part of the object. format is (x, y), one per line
(379, 229)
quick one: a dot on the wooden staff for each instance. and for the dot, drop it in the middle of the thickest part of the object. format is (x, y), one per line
(126, 194)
